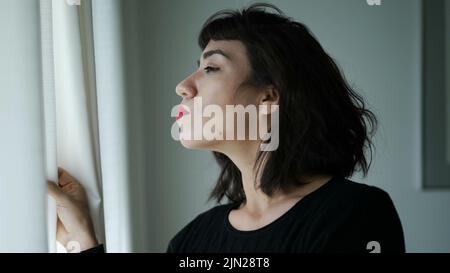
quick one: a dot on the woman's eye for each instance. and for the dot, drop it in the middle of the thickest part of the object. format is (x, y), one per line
(209, 69)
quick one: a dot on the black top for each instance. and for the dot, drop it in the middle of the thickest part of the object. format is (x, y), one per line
(340, 216)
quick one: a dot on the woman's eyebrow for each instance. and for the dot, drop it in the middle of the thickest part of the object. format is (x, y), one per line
(209, 53)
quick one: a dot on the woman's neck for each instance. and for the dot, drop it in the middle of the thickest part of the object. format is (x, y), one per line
(257, 202)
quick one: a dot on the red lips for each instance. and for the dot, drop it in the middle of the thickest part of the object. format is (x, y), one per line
(181, 112)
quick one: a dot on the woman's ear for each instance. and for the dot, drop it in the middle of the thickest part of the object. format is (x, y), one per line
(269, 100)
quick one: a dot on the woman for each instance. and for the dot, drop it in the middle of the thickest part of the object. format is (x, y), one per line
(294, 197)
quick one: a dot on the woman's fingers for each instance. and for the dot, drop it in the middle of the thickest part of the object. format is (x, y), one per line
(64, 177)
(71, 186)
(74, 220)
(55, 192)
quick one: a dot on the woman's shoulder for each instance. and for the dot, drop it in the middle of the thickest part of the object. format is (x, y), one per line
(349, 190)
(361, 213)
(210, 219)
(209, 215)
(352, 202)
(374, 200)
(345, 198)
(213, 214)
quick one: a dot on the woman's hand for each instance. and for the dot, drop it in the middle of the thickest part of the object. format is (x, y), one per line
(74, 227)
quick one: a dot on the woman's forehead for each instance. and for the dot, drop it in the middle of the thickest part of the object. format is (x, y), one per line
(231, 48)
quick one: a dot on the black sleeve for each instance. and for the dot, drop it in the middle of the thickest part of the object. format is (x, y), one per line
(170, 248)
(176, 244)
(383, 224)
(182, 241)
(374, 227)
(96, 249)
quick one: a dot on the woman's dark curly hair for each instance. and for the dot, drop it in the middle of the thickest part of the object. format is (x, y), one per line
(324, 125)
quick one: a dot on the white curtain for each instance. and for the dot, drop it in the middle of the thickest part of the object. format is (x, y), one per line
(109, 67)
(62, 104)
(73, 103)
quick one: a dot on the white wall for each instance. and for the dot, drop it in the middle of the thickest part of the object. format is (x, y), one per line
(378, 47)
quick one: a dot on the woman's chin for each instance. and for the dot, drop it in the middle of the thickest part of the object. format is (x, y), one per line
(199, 144)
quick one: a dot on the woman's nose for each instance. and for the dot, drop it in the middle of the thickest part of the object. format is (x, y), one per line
(185, 89)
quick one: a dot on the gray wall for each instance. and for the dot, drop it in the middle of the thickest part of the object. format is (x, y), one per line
(378, 47)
